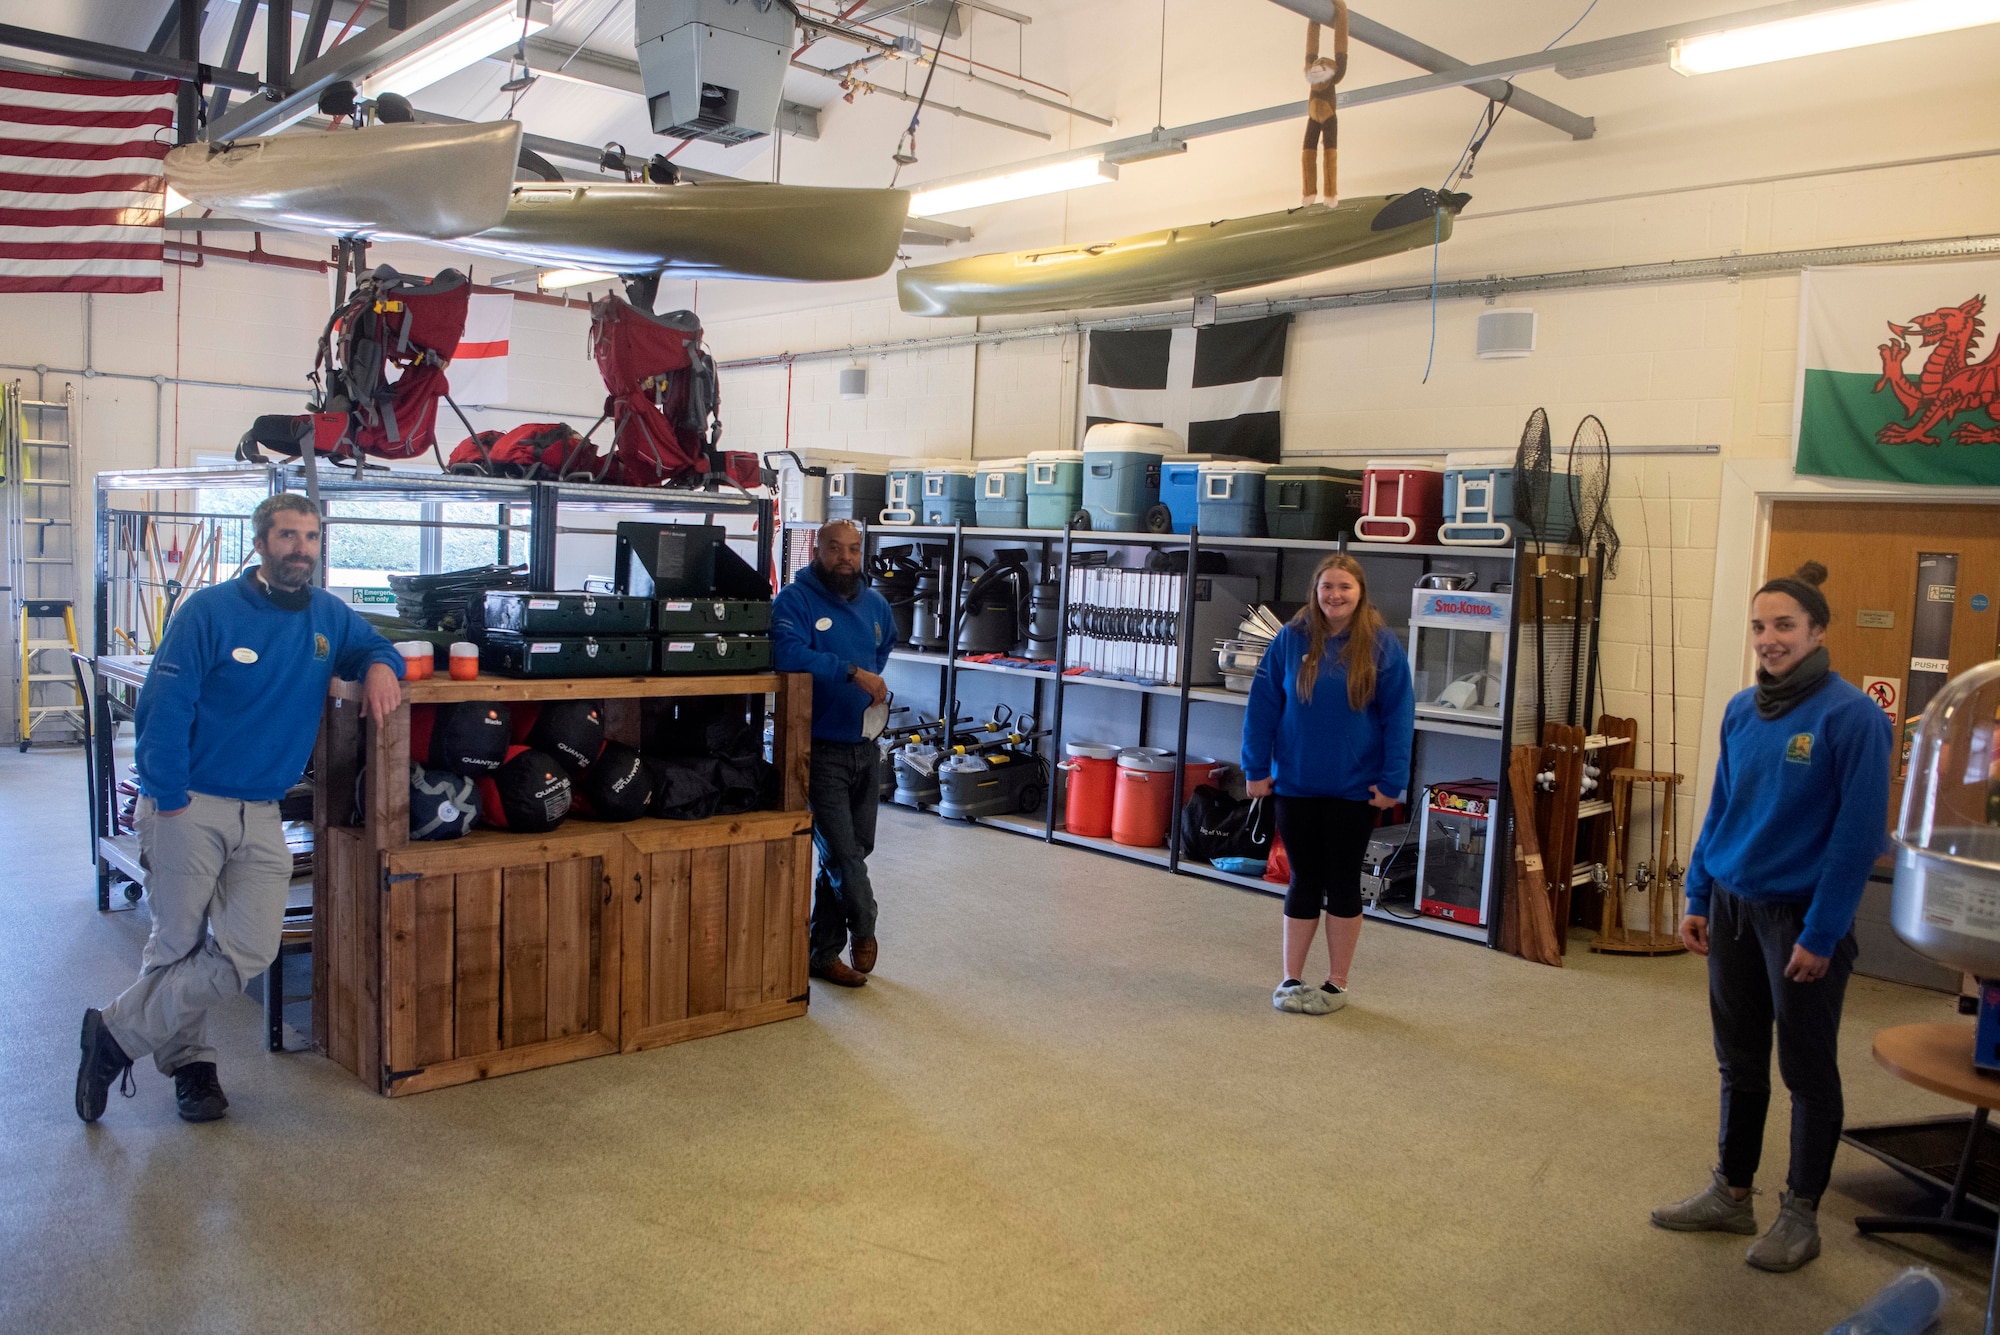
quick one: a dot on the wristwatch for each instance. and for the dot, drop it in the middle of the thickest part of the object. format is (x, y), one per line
(852, 668)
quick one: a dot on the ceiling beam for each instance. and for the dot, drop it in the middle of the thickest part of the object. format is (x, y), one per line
(119, 57)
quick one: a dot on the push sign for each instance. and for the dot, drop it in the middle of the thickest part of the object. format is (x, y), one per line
(1452, 607)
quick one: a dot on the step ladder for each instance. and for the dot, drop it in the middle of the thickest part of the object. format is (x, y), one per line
(49, 702)
(38, 440)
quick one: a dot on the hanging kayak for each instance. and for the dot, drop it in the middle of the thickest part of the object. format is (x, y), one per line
(714, 229)
(1181, 262)
(425, 182)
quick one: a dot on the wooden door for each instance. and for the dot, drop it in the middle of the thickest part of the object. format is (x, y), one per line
(1871, 551)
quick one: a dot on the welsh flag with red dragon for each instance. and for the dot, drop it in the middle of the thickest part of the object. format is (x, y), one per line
(1899, 377)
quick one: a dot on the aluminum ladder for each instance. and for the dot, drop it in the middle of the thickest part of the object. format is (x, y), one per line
(39, 449)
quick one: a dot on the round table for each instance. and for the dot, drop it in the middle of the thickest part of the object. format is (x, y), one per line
(1938, 1057)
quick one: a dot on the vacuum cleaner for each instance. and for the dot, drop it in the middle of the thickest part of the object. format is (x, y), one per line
(995, 607)
(994, 778)
(893, 572)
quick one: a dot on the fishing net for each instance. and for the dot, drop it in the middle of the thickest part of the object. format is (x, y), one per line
(1532, 463)
(1590, 462)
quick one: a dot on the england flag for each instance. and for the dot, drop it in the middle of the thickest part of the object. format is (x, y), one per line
(478, 371)
(1218, 387)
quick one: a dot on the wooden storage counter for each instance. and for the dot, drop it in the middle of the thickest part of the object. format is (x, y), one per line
(441, 962)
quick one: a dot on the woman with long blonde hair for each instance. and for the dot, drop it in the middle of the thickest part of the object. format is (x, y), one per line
(1328, 735)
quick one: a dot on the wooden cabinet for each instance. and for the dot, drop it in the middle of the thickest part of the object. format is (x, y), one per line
(439, 963)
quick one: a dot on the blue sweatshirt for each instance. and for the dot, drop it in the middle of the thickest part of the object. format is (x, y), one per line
(815, 630)
(1325, 749)
(232, 704)
(1800, 808)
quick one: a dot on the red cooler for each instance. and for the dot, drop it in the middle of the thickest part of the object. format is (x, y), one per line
(1404, 502)
(1093, 778)
(1144, 806)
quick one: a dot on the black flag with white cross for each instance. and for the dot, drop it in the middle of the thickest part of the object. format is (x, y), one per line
(1217, 387)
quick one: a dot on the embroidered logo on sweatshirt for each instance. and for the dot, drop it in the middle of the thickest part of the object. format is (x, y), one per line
(319, 646)
(1798, 751)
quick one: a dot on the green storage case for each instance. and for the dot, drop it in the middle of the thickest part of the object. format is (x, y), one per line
(513, 655)
(1309, 501)
(712, 616)
(700, 655)
(601, 614)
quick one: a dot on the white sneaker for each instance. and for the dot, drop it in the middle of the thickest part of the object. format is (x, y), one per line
(1291, 996)
(1319, 1001)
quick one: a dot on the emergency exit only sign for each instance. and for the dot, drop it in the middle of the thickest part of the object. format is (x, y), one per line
(1886, 692)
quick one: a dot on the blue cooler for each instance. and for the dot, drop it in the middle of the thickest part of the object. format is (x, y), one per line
(1180, 488)
(1000, 493)
(1055, 487)
(1121, 475)
(1232, 498)
(903, 502)
(948, 495)
(1478, 499)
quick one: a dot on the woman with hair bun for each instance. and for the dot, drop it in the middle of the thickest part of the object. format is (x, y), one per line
(1328, 732)
(1796, 818)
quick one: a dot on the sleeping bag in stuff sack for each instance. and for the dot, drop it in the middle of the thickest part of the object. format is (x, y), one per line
(443, 805)
(529, 794)
(683, 788)
(466, 737)
(550, 451)
(616, 788)
(570, 730)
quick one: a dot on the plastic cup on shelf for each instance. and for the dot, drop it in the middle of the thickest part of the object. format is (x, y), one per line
(417, 659)
(464, 660)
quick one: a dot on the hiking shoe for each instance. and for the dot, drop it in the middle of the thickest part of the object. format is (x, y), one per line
(835, 971)
(1290, 995)
(104, 1063)
(862, 952)
(1712, 1209)
(198, 1093)
(1322, 1000)
(1792, 1240)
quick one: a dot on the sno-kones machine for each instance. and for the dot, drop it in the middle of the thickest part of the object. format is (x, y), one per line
(1947, 897)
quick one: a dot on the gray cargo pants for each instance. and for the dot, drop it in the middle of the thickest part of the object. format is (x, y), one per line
(216, 876)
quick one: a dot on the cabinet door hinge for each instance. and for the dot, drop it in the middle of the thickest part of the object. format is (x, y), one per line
(390, 878)
(390, 1077)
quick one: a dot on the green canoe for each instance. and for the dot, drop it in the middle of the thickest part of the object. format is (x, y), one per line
(1181, 262)
(714, 229)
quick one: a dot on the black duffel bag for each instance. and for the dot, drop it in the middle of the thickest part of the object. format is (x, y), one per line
(1215, 824)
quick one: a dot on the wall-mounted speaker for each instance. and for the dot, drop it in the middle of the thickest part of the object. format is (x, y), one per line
(854, 382)
(1506, 332)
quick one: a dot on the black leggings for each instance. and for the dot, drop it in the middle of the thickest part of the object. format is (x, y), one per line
(1325, 838)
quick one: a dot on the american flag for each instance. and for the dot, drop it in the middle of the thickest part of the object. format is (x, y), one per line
(82, 189)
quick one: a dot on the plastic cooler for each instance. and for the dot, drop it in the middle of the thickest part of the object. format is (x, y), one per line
(1180, 488)
(1054, 487)
(948, 494)
(1232, 498)
(1404, 500)
(1143, 807)
(1309, 501)
(1093, 778)
(855, 493)
(1121, 473)
(903, 491)
(1478, 499)
(1000, 493)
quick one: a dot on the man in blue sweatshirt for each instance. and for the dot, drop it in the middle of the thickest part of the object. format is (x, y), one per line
(1796, 818)
(226, 723)
(828, 623)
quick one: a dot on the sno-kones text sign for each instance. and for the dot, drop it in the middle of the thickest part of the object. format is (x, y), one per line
(1461, 611)
(1899, 380)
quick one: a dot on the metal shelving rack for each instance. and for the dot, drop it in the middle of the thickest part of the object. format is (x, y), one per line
(520, 505)
(1184, 693)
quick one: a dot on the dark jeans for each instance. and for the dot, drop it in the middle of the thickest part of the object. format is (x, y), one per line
(1325, 840)
(1749, 944)
(844, 792)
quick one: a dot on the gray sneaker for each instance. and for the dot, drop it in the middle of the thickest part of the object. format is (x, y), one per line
(1712, 1209)
(1319, 1001)
(1793, 1239)
(1290, 995)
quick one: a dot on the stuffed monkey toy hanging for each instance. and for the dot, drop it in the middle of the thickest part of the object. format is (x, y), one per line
(1322, 118)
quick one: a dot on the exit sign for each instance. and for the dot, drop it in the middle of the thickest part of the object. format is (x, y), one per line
(370, 596)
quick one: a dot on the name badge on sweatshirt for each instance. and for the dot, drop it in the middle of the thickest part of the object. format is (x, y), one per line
(824, 623)
(1798, 751)
(244, 655)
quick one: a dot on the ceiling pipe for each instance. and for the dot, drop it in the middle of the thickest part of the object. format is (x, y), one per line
(1425, 57)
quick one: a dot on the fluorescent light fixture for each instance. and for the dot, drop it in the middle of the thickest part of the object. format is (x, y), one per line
(1050, 179)
(1829, 30)
(491, 32)
(574, 277)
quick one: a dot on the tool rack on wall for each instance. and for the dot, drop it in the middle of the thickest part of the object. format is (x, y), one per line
(1051, 690)
(129, 502)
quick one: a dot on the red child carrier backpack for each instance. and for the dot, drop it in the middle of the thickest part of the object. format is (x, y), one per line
(660, 393)
(379, 374)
